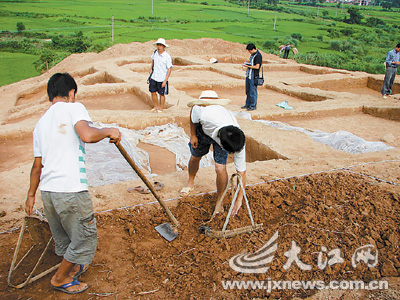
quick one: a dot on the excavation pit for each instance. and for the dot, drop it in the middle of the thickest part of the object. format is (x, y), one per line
(282, 75)
(179, 61)
(367, 127)
(124, 62)
(296, 93)
(32, 96)
(99, 78)
(188, 78)
(231, 59)
(163, 148)
(132, 100)
(237, 94)
(83, 73)
(255, 150)
(388, 113)
(360, 86)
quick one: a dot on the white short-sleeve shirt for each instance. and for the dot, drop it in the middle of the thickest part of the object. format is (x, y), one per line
(62, 151)
(162, 63)
(212, 118)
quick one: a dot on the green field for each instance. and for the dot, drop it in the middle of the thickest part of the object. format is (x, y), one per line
(16, 66)
(140, 21)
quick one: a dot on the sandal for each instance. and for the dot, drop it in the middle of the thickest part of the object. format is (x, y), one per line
(63, 288)
(82, 269)
(186, 191)
(139, 189)
(158, 186)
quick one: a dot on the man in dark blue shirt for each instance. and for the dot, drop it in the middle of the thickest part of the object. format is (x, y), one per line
(392, 62)
(253, 70)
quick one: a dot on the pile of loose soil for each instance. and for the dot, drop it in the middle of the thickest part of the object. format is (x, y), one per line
(336, 210)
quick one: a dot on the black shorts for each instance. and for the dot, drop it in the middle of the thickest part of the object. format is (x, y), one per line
(155, 86)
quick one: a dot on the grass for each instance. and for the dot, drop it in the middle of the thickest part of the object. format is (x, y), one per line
(20, 67)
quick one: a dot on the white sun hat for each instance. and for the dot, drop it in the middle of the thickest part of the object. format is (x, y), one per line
(208, 98)
(161, 41)
(208, 94)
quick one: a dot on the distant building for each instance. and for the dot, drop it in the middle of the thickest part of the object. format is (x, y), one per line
(354, 2)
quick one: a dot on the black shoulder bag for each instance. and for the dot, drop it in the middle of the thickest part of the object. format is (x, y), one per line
(260, 80)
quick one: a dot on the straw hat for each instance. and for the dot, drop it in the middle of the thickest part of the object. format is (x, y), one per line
(209, 98)
(161, 41)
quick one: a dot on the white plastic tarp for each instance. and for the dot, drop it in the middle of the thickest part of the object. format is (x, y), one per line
(105, 165)
(339, 140)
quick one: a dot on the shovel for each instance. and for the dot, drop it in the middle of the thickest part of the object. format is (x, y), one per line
(166, 230)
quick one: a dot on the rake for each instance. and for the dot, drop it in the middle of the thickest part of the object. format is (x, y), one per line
(40, 234)
(224, 233)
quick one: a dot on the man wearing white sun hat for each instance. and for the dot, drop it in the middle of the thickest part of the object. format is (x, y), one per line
(161, 67)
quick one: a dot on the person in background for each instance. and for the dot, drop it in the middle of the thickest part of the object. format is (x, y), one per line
(59, 166)
(286, 50)
(392, 62)
(160, 70)
(253, 70)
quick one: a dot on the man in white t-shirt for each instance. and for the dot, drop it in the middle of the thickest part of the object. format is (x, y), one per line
(215, 125)
(161, 67)
(59, 148)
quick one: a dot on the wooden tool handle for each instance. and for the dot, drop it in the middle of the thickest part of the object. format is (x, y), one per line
(148, 184)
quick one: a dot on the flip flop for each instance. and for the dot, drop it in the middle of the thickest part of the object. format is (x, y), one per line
(158, 186)
(63, 288)
(82, 270)
(186, 191)
(142, 190)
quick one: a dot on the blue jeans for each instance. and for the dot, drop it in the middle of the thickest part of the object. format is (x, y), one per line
(251, 93)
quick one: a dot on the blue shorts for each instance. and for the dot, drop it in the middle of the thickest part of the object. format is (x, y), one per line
(155, 86)
(203, 146)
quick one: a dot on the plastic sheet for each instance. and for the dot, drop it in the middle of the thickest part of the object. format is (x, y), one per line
(173, 138)
(339, 140)
(242, 114)
(105, 165)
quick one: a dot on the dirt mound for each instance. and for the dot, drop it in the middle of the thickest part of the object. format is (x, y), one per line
(318, 212)
(184, 47)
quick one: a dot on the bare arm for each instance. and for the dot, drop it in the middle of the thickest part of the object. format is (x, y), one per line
(256, 67)
(34, 183)
(167, 77)
(193, 138)
(90, 134)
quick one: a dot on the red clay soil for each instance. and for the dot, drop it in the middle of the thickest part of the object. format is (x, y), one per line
(338, 210)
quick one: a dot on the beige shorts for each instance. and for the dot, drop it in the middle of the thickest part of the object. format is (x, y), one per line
(72, 224)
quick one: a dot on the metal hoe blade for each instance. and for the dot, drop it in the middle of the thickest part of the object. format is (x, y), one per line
(167, 231)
